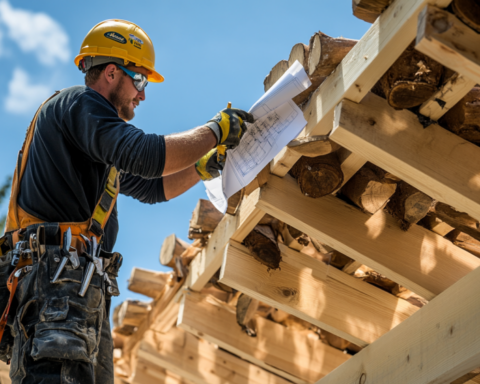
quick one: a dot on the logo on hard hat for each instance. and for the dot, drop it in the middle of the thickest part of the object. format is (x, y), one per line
(137, 43)
(116, 37)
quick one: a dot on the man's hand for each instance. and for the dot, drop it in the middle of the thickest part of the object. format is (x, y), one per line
(208, 166)
(229, 126)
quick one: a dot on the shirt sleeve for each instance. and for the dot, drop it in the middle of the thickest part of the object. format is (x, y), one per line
(147, 191)
(92, 125)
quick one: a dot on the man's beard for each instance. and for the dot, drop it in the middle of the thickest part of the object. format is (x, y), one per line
(121, 102)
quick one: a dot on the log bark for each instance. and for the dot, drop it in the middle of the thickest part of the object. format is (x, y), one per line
(301, 53)
(334, 340)
(313, 146)
(369, 10)
(171, 248)
(132, 312)
(246, 308)
(464, 241)
(325, 53)
(469, 12)
(458, 220)
(146, 282)
(318, 176)
(262, 243)
(277, 71)
(464, 118)
(408, 205)
(370, 189)
(205, 218)
(411, 80)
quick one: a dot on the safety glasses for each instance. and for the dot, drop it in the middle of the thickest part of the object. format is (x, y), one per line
(139, 79)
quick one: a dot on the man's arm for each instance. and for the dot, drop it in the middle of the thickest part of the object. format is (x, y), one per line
(180, 182)
(184, 149)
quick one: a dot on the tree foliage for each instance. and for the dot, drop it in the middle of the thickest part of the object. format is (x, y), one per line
(4, 189)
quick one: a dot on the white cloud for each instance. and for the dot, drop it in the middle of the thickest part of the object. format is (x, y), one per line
(23, 96)
(36, 32)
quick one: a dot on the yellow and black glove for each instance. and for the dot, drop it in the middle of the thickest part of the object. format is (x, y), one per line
(208, 167)
(229, 126)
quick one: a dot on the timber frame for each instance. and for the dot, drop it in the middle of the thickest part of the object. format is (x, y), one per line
(189, 333)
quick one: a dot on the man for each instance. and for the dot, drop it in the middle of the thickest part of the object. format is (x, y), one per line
(80, 152)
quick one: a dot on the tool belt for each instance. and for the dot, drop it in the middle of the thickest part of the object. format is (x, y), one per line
(23, 232)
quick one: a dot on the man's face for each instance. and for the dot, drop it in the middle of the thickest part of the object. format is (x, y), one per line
(125, 96)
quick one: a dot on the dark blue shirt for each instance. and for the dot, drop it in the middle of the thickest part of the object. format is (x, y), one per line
(78, 137)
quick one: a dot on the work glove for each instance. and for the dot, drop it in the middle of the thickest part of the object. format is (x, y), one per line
(229, 126)
(208, 167)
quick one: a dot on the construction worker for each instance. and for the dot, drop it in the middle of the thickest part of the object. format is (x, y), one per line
(79, 153)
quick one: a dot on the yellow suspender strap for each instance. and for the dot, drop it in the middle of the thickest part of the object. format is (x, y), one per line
(106, 203)
(13, 221)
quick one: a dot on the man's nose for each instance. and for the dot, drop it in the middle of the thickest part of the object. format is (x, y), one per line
(141, 95)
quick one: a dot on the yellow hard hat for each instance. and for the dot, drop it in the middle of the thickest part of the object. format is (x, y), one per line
(119, 39)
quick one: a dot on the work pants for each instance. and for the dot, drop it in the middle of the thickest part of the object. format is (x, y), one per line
(60, 337)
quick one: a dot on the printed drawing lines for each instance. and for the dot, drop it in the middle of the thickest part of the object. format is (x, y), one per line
(260, 139)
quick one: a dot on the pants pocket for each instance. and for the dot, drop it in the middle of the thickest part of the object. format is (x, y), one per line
(68, 330)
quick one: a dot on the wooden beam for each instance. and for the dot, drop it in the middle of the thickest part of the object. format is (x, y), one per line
(147, 373)
(363, 66)
(447, 96)
(438, 344)
(133, 312)
(419, 260)
(199, 361)
(147, 282)
(237, 227)
(292, 355)
(326, 297)
(444, 38)
(433, 160)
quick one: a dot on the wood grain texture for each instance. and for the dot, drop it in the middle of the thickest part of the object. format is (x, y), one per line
(147, 282)
(358, 72)
(310, 290)
(199, 361)
(444, 38)
(293, 355)
(237, 227)
(419, 260)
(433, 160)
(438, 344)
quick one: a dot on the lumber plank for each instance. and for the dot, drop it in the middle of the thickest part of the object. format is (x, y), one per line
(438, 344)
(433, 160)
(237, 227)
(444, 38)
(147, 282)
(199, 361)
(132, 312)
(454, 89)
(313, 146)
(419, 259)
(308, 289)
(147, 373)
(361, 68)
(292, 355)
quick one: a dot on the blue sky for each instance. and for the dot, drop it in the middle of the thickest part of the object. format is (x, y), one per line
(209, 52)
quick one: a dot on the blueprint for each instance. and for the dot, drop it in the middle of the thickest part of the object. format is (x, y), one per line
(278, 120)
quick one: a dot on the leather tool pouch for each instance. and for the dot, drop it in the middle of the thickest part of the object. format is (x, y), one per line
(52, 321)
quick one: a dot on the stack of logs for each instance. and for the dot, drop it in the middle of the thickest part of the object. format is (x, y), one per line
(412, 80)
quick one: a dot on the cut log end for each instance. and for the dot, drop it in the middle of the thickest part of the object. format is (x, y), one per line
(171, 248)
(463, 118)
(409, 94)
(262, 243)
(318, 176)
(469, 12)
(370, 189)
(277, 71)
(369, 10)
(408, 205)
(411, 80)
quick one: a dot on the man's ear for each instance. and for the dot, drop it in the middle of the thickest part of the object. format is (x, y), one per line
(111, 73)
